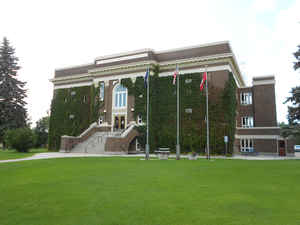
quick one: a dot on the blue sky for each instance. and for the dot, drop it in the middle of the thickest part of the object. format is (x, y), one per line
(52, 34)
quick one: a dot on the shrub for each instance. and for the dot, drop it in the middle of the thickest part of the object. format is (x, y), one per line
(21, 139)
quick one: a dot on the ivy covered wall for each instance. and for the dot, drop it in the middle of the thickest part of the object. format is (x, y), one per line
(222, 109)
(72, 111)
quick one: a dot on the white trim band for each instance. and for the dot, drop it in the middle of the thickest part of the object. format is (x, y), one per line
(262, 82)
(272, 137)
(253, 128)
(82, 84)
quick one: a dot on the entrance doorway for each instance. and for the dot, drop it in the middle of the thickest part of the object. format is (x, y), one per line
(281, 146)
(119, 122)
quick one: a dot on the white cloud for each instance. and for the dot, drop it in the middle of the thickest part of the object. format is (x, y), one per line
(264, 5)
(51, 34)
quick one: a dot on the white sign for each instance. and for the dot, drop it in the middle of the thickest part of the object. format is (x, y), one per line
(226, 139)
(297, 148)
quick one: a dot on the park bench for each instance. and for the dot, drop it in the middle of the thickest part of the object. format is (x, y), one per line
(163, 153)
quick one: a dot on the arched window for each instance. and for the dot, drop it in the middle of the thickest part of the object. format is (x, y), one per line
(120, 96)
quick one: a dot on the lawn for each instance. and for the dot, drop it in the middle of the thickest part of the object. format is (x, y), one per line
(13, 154)
(115, 191)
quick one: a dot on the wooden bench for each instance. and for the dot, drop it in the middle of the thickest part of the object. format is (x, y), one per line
(163, 153)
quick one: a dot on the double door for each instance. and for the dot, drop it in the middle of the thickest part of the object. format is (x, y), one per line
(119, 122)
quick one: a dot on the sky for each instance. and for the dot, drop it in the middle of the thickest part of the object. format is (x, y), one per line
(54, 34)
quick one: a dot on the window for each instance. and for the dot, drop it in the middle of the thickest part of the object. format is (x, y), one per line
(137, 145)
(84, 98)
(247, 121)
(120, 97)
(246, 145)
(101, 95)
(100, 121)
(139, 119)
(246, 98)
(187, 81)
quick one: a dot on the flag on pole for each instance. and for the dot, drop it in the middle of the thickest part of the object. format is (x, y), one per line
(146, 77)
(203, 81)
(175, 74)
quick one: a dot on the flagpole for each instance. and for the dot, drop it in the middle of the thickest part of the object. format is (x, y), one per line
(147, 143)
(178, 144)
(207, 120)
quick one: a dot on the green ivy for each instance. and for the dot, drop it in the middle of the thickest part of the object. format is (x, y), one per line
(163, 111)
(222, 112)
(82, 103)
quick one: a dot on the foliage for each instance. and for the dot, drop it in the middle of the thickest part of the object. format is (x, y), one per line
(41, 131)
(294, 110)
(21, 139)
(72, 111)
(297, 56)
(12, 93)
(163, 108)
(294, 99)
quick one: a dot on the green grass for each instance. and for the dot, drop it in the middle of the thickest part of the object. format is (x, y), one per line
(115, 191)
(13, 154)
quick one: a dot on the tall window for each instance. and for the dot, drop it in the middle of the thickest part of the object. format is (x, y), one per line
(247, 121)
(120, 97)
(246, 98)
(246, 145)
(101, 96)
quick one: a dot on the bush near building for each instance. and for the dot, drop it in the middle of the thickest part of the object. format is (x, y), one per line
(20, 139)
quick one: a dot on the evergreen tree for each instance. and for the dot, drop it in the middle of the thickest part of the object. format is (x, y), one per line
(12, 93)
(297, 56)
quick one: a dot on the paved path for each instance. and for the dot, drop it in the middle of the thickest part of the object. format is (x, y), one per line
(51, 155)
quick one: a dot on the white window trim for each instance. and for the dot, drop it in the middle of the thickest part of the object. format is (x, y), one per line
(248, 148)
(247, 97)
(120, 93)
(249, 121)
(137, 145)
(101, 98)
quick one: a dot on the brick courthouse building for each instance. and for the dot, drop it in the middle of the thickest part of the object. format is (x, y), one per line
(97, 107)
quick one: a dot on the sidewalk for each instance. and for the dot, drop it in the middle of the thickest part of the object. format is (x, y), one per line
(52, 155)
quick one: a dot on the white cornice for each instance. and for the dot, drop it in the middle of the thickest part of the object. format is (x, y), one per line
(254, 128)
(124, 66)
(72, 77)
(257, 136)
(262, 82)
(197, 70)
(81, 84)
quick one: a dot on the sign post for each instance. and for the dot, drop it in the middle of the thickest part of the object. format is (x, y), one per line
(226, 144)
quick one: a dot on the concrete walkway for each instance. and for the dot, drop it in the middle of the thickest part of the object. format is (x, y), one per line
(51, 155)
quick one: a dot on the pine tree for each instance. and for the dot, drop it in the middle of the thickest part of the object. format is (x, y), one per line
(297, 56)
(12, 93)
